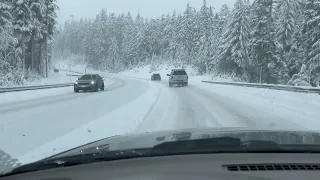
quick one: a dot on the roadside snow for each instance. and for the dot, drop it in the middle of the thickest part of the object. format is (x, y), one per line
(300, 108)
(34, 94)
(18, 96)
(80, 68)
(56, 78)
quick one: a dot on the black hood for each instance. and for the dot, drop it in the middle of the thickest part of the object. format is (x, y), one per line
(150, 139)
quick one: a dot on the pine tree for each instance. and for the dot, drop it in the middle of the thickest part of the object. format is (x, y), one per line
(224, 17)
(22, 24)
(204, 21)
(296, 57)
(262, 42)
(171, 35)
(22, 33)
(7, 40)
(189, 33)
(311, 34)
(5, 15)
(234, 53)
(113, 54)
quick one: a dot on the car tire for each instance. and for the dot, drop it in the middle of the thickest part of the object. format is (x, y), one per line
(186, 84)
(102, 87)
(96, 89)
(76, 90)
(170, 84)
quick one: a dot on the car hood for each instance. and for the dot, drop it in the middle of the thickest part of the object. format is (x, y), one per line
(150, 139)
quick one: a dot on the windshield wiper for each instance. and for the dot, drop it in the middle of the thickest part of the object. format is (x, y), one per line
(230, 145)
(216, 145)
(196, 146)
(79, 159)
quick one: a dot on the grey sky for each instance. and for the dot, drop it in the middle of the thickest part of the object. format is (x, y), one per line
(147, 8)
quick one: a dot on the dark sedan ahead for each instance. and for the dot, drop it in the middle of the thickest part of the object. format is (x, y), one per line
(89, 82)
(155, 77)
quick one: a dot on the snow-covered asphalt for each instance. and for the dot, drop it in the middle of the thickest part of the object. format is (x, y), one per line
(35, 128)
(192, 107)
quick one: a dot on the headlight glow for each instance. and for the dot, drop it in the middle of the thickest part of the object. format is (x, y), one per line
(76, 82)
(92, 82)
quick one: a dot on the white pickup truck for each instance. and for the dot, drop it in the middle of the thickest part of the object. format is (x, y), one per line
(178, 77)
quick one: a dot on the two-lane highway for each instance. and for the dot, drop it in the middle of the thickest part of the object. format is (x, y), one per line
(27, 126)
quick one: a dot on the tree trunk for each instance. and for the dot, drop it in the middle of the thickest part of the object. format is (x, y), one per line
(32, 52)
(40, 60)
(23, 59)
(47, 8)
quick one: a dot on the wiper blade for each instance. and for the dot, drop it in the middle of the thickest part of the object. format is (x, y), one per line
(80, 159)
(214, 145)
(230, 145)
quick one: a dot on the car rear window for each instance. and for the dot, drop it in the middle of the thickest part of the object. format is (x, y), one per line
(179, 73)
(87, 76)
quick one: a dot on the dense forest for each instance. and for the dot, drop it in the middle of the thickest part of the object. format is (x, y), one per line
(264, 41)
(267, 41)
(26, 39)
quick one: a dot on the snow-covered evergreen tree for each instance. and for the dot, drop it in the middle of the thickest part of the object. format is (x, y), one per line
(262, 43)
(234, 55)
(268, 39)
(24, 24)
(311, 38)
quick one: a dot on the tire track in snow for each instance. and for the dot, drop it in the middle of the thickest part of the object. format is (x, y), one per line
(143, 122)
(161, 115)
(190, 107)
(217, 114)
(244, 116)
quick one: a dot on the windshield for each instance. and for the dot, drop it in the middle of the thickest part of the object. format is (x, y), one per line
(179, 73)
(73, 72)
(84, 77)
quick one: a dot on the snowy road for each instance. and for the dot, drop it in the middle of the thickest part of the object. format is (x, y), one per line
(52, 124)
(191, 107)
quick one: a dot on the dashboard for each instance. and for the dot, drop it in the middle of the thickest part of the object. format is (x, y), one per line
(240, 166)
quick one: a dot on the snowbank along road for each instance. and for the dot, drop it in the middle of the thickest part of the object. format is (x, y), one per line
(63, 119)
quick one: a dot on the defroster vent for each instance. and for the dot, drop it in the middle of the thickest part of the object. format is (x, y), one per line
(273, 167)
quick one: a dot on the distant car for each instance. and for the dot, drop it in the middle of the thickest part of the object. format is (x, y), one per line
(178, 77)
(89, 82)
(155, 77)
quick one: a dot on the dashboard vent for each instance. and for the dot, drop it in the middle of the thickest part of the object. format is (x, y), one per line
(273, 167)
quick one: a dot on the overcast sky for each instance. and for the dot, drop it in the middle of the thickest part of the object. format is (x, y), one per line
(147, 8)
